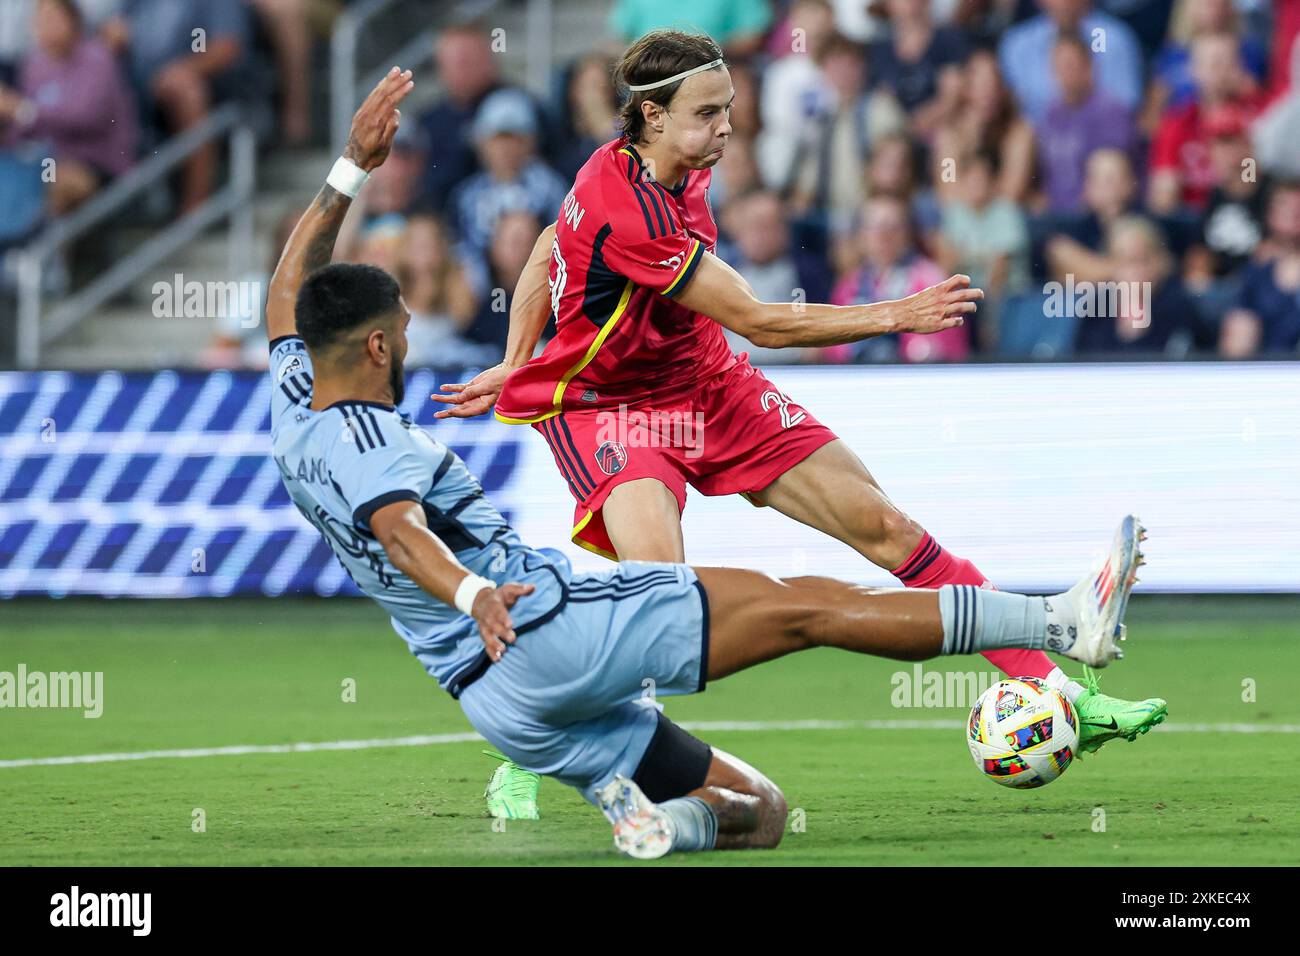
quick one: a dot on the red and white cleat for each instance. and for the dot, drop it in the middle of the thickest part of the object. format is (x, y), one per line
(1101, 598)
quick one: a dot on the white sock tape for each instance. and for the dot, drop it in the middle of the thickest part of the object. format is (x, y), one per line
(347, 177)
(468, 590)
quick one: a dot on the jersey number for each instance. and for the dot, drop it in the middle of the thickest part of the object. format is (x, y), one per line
(789, 417)
(559, 279)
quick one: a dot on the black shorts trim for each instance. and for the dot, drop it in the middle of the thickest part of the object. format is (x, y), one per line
(704, 636)
(674, 764)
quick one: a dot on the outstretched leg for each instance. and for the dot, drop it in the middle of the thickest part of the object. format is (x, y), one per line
(754, 617)
(831, 490)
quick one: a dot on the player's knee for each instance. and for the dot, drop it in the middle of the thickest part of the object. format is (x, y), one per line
(773, 812)
(894, 527)
(806, 626)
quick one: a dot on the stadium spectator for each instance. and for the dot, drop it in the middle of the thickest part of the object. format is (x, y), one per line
(1266, 318)
(1141, 306)
(910, 61)
(736, 173)
(590, 114)
(183, 54)
(984, 236)
(467, 73)
(762, 253)
(1025, 53)
(985, 117)
(437, 291)
(1080, 121)
(892, 268)
(1172, 81)
(285, 22)
(379, 242)
(73, 100)
(1233, 226)
(792, 91)
(1109, 192)
(827, 175)
(512, 242)
(1182, 172)
(893, 170)
(513, 179)
(17, 38)
(738, 26)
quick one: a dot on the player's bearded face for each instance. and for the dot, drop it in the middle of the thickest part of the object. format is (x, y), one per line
(397, 364)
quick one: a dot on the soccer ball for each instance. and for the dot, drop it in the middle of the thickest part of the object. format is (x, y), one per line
(1022, 733)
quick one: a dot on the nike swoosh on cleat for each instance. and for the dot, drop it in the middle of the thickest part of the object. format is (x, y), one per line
(1113, 725)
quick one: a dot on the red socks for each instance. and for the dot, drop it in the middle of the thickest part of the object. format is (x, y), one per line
(930, 566)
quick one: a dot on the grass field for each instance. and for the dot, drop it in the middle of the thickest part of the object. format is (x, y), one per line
(206, 674)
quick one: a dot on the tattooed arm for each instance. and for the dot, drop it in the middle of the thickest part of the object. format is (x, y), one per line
(311, 246)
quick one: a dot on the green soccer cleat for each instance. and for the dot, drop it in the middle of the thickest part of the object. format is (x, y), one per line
(511, 794)
(1103, 718)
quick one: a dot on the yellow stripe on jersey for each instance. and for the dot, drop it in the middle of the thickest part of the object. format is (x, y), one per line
(604, 333)
(686, 267)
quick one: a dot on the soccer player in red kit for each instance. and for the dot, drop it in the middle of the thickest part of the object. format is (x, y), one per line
(639, 372)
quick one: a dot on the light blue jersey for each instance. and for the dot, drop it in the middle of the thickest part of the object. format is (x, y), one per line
(343, 463)
(570, 696)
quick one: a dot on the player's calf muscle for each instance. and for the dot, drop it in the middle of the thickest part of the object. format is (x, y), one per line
(755, 618)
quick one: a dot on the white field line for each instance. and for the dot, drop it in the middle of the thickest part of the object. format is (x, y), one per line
(703, 726)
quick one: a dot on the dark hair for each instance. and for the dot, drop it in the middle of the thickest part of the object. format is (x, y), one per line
(340, 297)
(985, 156)
(657, 55)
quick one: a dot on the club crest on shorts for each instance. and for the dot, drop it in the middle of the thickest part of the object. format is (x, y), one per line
(611, 456)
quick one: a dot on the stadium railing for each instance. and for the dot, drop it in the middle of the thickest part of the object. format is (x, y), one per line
(233, 201)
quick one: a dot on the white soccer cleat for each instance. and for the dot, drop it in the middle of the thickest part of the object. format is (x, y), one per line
(641, 829)
(1101, 598)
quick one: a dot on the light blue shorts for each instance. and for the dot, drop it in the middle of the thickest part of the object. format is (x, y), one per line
(572, 697)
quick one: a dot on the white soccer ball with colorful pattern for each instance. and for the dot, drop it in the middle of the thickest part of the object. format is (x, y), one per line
(1022, 733)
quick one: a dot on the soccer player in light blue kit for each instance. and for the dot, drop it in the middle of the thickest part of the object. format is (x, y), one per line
(548, 665)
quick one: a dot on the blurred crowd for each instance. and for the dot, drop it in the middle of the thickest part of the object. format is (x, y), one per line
(95, 85)
(876, 146)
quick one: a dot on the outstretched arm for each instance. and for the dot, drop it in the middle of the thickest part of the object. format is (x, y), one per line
(530, 310)
(718, 291)
(311, 246)
(416, 551)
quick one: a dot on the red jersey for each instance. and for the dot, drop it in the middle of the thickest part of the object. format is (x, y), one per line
(624, 246)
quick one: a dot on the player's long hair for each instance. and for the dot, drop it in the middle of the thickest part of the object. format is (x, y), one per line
(658, 54)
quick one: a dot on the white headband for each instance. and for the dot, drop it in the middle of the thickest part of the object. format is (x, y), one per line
(673, 79)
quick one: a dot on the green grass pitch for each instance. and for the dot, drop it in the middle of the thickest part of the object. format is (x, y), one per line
(207, 674)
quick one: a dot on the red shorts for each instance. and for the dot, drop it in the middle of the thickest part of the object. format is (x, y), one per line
(735, 435)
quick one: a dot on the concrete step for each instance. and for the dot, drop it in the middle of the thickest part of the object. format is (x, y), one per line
(128, 338)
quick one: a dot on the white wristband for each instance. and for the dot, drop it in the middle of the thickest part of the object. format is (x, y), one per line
(468, 591)
(347, 177)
